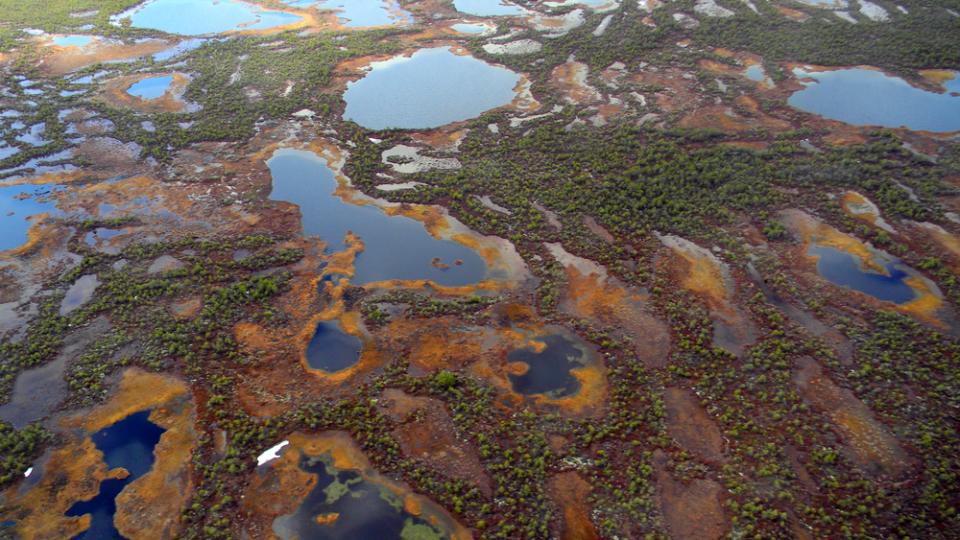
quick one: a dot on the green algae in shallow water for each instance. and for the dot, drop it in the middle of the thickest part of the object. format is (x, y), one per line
(364, 509)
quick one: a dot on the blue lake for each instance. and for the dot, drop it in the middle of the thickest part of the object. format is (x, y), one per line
(129, 444)
(151, 87)
(488, 8)
(953, 85)
(396, 247)
(434, 87)
(361, 13)
(549, 370)
(331, 349)
(755, 72)
(17, 203)
(200, 17)
(865, 97)
(843, 269)
(364, 509)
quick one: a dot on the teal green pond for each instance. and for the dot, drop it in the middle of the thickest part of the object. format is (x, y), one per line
(364, 509)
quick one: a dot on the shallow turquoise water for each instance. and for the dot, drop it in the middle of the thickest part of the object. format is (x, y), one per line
(199, 17)
(431, 88)
(151, 87)
(395, 247)
(843, 269)
(72, 41)
(488, 8)
(470, 28)
(865, 97)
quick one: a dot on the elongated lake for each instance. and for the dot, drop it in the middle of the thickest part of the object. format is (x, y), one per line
(866, 97)
(843, 269)
(395, 247)
(488, 8)
(200, 17)
(129, 444)
(431, 88)
(361, 13)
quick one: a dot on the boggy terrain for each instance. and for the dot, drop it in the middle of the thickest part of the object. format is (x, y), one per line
(479, 269)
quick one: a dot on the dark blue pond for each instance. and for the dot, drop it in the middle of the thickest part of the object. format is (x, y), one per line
(331, 349)
(366, 511)
(865, 97)
(431, 88)
(843, 269)
(128, 444)
(549, 370)
(396, 247)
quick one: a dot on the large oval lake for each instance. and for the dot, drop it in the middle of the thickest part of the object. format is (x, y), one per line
(431, 88)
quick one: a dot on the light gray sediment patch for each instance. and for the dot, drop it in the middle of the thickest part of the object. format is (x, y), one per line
(407, 160)
(520, 46)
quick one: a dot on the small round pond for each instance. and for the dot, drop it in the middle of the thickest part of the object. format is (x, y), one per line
(331, 349)
(549, 366)
(151, 87)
